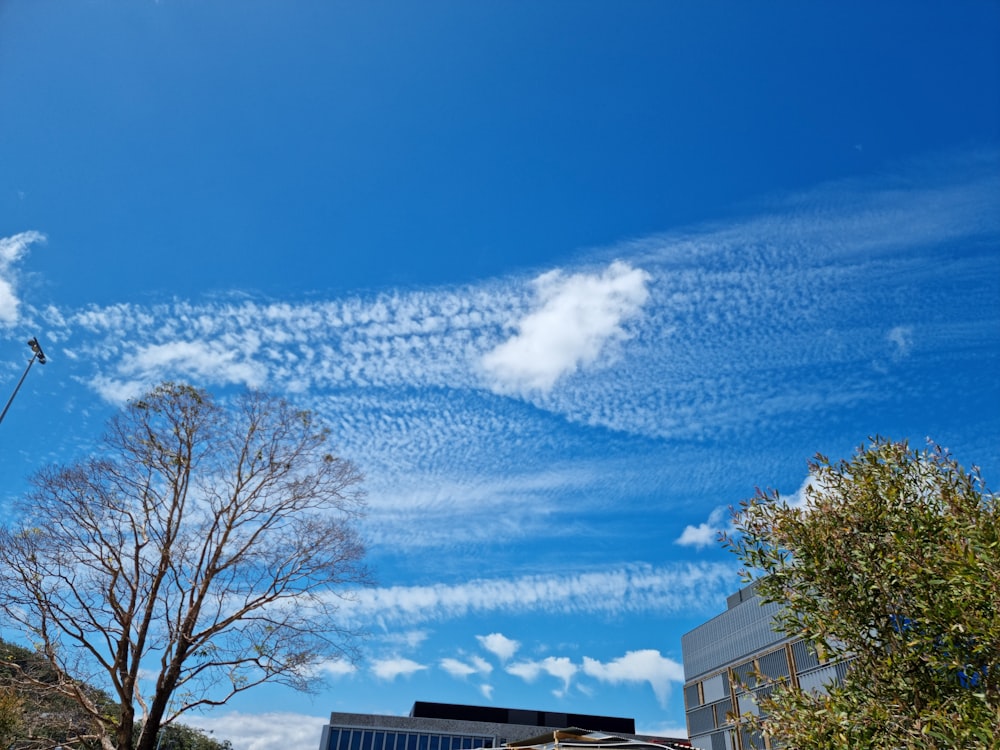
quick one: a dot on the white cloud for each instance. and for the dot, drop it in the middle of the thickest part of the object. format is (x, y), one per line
(526, 670)
(9, 303)
(461, 669)
(487, 691)
(577, 316)
(901, 338)
(12, 249)
(482, 666)
(456, 668)
(265, 731)
(646, 665)
(704, 534)
(499, 645)
(212, 362)
(336, 668)
(560, 667)
(390, 669)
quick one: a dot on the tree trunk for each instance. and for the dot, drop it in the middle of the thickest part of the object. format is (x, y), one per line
(126, 730)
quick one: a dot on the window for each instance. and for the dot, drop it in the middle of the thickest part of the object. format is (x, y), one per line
(715, 688)
(691, 697)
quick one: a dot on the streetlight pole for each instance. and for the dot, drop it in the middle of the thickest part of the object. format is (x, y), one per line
(37, 354)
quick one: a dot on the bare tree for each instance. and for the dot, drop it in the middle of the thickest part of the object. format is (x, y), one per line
(201, 552)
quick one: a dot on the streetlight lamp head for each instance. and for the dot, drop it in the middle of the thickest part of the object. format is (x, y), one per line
(37, 349)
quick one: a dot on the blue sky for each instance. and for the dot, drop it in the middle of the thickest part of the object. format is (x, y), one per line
(566, 278)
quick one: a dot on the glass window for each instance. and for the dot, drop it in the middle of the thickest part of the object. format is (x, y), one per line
(355, 739)
(816, 680)
(334, 739)
(746, 704)
(691, 697)
(715, 688)
(421, 742)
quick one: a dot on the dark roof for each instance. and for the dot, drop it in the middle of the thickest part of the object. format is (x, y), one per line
(497, 715)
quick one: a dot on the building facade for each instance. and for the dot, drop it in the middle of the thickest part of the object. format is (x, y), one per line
(720, 659)
(447, 726)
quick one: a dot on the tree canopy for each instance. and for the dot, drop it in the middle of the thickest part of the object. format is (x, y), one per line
(202, 550)
(33, 719)
(891, 563)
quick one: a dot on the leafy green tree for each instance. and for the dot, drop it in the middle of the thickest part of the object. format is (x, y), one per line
(11, 713)
(892, 563)
(200, 552)
(34, 713)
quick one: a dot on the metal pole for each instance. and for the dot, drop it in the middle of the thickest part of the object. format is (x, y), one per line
(40, 356)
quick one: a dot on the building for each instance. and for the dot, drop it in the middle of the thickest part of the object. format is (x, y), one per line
(447, 726)
(719, 659)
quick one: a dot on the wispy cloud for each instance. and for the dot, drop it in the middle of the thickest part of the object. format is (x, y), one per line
(12, 249)
(404, 639)
(638, 588)
(464, 401)
(576, 317)
(659, 344)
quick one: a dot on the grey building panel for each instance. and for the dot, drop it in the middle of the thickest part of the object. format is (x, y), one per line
(738, 632)
(775, 665)
(804, 655)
